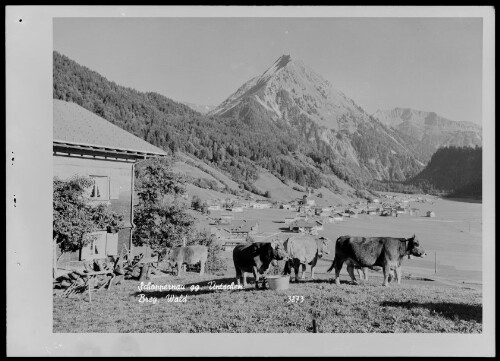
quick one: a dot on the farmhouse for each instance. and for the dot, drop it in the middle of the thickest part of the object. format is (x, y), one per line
(225, 219)
(261, 205)
(307, 201)
(414, 211)
(338, 217)
(351, 213)
(240, 229)
(319, 225)
(300, 226)
(400, 210)
(328, 219)
(302, 216)
(88, 145)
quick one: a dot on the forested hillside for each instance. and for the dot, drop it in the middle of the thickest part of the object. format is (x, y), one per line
(237, 147)
(454, 170)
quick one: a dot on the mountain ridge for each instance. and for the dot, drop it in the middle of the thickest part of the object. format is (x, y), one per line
(292, 93)
(428, 131)
(282, 137)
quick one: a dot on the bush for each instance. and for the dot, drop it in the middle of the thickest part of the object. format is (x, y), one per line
(196, 203)
(215, 260)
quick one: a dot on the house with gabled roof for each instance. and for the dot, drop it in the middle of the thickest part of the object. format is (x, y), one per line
(88, 145)
(300, 226)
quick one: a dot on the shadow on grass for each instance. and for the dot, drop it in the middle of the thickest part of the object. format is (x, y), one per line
(453, 311)
(462, 200)
(320, 281)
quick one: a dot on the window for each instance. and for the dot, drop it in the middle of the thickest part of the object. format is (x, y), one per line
(95, 248)
(100, 189)
(112, 244)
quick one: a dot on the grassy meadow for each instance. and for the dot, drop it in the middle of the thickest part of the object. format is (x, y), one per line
(368, 307)
(446, 301)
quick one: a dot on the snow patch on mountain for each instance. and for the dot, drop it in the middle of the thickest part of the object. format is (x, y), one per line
(290, 86)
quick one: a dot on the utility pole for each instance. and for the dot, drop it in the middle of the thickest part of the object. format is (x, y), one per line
(435, 262)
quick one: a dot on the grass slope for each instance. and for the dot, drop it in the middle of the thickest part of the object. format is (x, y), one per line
(366, 308)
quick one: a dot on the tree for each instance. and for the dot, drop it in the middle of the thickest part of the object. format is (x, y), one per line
(215, 260)
(75, 218)
(196, 203)
(161, 219)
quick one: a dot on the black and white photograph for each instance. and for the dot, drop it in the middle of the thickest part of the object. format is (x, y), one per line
(250, 181)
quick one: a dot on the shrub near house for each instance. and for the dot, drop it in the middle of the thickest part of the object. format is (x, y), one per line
(75, 220)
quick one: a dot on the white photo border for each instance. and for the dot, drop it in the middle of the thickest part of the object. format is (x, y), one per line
(29, 40)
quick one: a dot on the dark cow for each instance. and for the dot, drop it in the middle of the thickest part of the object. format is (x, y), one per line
(303, 250)
(256, 258)
(385, 252)
(189, 254)
(363, 271)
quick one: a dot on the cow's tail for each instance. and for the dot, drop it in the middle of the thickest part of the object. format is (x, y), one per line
(332, 266)
(335, 258)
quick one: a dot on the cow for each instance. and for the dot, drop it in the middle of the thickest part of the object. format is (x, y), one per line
(363, 271)
(256, 258)
(180, 255)
(303, 250)
(385, 252)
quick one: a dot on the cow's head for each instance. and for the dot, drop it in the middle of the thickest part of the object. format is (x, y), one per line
(323, 246)
(413, 248)
(163, 254)
(279, 252)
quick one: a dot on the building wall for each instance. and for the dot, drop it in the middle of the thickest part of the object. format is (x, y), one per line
(119, 175)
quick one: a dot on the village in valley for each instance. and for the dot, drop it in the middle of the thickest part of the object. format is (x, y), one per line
(302, 215)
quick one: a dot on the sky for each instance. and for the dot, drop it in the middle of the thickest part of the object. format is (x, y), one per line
(429, 64)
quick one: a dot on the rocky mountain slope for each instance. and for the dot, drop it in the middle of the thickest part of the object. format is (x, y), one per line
(288, 123)
(349, 139)
(429, 131)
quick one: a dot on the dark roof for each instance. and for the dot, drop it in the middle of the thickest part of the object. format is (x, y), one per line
(76, 127)
(300, 223)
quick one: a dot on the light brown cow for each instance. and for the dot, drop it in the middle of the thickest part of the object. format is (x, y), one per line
(190, 255)
(302, 251)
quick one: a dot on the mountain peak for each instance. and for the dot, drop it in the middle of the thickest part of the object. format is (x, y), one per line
(288, 86)
(279, 64)
(283, 60)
